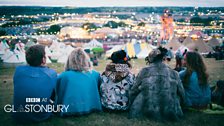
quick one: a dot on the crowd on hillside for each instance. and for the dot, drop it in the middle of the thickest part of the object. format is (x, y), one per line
(157, 92)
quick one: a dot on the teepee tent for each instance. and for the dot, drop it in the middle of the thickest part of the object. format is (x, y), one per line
(174, 43)
(187, 41)
(213, 42)
(200, 45)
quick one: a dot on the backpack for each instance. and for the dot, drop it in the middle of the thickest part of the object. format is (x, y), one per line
(218, 93)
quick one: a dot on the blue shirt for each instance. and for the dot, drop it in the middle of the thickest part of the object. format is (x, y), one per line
(32, 82)
(79, 90)
(195, 95)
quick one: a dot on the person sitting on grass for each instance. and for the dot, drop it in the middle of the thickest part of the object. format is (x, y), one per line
(195, 81)
(77, 86)
(33, 81)
(157, 92)
(116, 82)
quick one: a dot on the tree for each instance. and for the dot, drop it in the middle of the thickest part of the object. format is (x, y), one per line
(54, 28)
(111, 24)
(122, 24)
(89, 26)
(141, 24)
(2, 32)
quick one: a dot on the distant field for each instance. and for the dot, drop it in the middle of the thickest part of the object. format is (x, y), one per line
(215, 70)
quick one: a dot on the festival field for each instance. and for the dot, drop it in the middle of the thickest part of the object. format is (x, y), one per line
(191, 118)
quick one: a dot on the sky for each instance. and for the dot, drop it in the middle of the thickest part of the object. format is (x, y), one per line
(109, 3)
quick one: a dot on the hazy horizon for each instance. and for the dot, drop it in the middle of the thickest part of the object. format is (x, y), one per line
(115, 3)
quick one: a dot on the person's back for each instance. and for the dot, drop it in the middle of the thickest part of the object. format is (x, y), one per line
(115, 86)
(33, 85)
(116, 82)
(196, 95)
(195, 81)
(79, 90)
(159, 87)
(157, 93)
(77, 87)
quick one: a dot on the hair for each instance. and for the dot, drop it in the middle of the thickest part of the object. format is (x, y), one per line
(35, 55)
(157, 55)
(120, 57)
(194, 62)
(78, 60)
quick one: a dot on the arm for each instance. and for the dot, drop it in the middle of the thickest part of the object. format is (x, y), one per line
(180, 90)
(135, 89)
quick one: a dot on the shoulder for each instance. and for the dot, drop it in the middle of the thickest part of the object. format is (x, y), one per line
(50, 72)
(182, 72)
(174, 73)
(94, 72)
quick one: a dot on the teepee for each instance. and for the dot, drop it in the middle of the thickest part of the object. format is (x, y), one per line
(174, 43)
(213, 42)
(187, 41)
(200, 45)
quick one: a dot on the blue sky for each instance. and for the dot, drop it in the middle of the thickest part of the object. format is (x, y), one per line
(99, 3)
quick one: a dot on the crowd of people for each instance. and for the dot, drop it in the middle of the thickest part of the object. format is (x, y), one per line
(158, 91)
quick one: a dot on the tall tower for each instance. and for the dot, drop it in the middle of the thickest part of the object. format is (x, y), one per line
(167, 25)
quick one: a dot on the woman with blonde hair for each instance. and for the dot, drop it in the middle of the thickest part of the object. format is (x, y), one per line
(78, 85)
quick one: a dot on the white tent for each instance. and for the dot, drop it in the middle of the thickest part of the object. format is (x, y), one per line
(93, 44)
(114, 49)
(18, 56)
(65, 52)
(145, 52)
(3, 48)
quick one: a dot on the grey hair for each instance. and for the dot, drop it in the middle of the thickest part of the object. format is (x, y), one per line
(78, 60)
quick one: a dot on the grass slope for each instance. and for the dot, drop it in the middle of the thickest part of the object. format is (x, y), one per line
(215, 70)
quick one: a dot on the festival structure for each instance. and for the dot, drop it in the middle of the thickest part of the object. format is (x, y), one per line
(167, 25)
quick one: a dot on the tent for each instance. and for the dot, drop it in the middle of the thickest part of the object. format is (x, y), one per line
(129, 49)
(65, 52)
(3, 48)
(145, 52)
(17, 56)
(93, 44)
(187, 41)
(200, 45)
(174, 43)
(213, 42)
(114, 49)
(29, 44)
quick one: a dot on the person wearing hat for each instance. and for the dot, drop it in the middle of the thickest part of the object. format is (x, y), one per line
(157, 91)
(116, 82)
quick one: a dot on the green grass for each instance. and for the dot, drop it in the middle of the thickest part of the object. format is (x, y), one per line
(215, 70)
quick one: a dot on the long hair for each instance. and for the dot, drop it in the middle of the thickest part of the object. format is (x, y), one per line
(194, 62)
(78, 60)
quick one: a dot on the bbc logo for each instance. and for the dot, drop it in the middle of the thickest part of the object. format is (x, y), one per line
(32, 99)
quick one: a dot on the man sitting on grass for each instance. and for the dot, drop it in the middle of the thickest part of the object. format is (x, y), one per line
(33, 87)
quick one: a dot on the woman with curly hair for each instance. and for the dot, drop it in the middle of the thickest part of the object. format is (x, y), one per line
(157, 92)
(195, 81)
